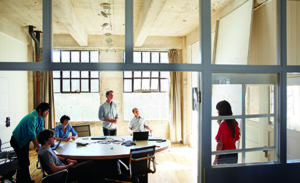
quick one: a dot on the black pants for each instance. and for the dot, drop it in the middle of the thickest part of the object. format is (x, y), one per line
(107, 132)
(83, 172)
(23, 174)
(227, 159)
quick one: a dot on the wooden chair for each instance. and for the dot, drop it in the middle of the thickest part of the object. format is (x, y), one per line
(139, 164)
(82, 130)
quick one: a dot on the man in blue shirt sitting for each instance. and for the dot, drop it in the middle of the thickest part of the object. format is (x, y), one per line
(63, 130)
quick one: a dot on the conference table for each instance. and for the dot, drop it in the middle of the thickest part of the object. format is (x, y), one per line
(106, 152)
(110, 148)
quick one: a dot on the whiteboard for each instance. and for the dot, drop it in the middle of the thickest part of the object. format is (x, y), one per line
(233, 36)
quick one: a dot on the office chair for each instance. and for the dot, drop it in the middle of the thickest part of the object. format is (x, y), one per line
(139, 163)
(58, 177)
(82, 130)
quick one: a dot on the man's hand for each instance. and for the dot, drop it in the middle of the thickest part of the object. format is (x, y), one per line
(70, 161)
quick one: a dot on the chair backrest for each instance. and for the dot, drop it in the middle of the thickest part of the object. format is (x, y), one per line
(58, 177)
(140, 161)
(82, 130)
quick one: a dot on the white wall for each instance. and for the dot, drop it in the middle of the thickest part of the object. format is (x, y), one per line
(13, 85)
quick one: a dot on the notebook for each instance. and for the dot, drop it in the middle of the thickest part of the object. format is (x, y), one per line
(56, 145)
(140, 136)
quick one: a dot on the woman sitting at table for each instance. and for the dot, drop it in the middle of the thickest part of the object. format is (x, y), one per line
(63, 130)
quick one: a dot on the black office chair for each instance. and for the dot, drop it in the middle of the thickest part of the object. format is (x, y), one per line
(58, 177)
(82, 130)
(8, 164)
(139, 164)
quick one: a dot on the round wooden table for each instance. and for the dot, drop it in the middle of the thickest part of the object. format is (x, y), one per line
(110, 148)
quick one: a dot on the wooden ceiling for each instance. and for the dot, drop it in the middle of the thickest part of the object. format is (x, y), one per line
(82, 18)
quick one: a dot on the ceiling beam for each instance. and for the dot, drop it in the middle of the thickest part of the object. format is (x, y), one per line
(66, 16)
(148, 14)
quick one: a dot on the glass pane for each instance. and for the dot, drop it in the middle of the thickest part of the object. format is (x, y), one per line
(75, 56)
(293, 32)
(94, 56)
(85, 57)
(259, 132)
(146, 84)
(127, 74)
(155, 57)
(137, 57)
(214, 131)
(95, 85)
(85, 74)
(87, 25)
(293, 116)
(66, 74)
(154, 74)
(66, 85)
(163, 25)
(75, 74)
(154, 84)
(56, 74)
(137, 84)
(65, 56)
(229, 92)
(146, 74)
(164, 85)
(164, 74)
(56, 85)
(75, 85)
(127, 85)
(94, 74)
(16, 44)
(259, 156)
(259, 99)
(84, 85)
(245, 33)
(146, 57)
(164, 57)
(137, 74)
(56, 56)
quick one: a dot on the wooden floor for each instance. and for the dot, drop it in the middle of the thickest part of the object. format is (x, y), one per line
(174, 165)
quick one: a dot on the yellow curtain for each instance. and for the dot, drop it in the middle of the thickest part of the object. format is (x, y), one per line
(47, 95)
(175, 122)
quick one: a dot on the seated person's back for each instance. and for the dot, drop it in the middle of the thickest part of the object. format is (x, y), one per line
(64, 129)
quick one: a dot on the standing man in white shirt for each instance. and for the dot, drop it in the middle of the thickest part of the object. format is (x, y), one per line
(137, 123)
(108, 114)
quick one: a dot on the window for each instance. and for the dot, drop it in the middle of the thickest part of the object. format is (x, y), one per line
(75, 92)
(75, 81)
(147, 81)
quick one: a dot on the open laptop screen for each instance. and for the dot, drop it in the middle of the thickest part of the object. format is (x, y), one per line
(140, 136)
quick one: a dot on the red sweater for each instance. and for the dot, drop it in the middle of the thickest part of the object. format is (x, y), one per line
(224, 133)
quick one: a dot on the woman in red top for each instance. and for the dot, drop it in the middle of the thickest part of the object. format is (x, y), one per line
(228, 134)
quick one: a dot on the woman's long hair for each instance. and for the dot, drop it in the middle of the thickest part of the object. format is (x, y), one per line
(224, 109)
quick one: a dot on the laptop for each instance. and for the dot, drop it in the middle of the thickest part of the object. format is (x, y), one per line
(98, 138)
(140, 136)
(56, 145)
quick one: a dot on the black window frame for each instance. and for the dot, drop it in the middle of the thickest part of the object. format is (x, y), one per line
(142, 78)
(81, 78)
